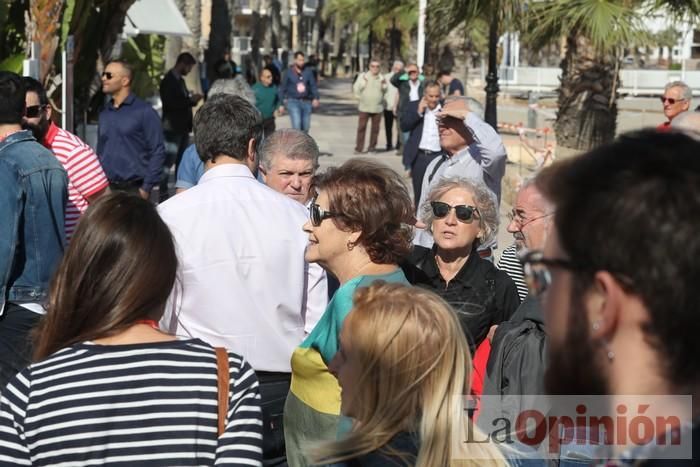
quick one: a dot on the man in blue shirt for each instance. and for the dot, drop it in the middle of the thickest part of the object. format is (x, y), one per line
(130, 141)
(299, 93)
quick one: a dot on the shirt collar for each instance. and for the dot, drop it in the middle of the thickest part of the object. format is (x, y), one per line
(226, 170)
(50, 135)
(128, 101)
(458, 156)
(464, 275)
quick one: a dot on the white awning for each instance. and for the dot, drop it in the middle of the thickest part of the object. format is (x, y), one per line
(155, 17)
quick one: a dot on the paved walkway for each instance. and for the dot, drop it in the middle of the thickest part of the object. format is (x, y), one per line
(334, 126)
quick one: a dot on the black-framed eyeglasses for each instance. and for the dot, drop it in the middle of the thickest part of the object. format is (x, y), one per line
(33, 111)
(539, 278)
(463, 212)
(521, 221)
(537, 270)
(107, 75)
(318, 215)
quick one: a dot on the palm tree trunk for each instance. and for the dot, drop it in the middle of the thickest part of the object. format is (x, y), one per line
(256, 27)
(587, 115)
(286, 26)
(46, 18)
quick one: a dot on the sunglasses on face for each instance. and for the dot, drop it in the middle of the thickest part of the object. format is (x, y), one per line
(33, 111)
(318, 215)
(410, 72)
(670, 100)
(107, 75)
(463, 212)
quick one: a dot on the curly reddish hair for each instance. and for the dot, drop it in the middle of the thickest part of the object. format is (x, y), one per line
(371, 198)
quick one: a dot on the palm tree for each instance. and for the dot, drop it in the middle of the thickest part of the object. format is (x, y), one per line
(44, 29)
(596, 32)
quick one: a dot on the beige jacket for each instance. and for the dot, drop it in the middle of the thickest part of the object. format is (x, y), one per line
(370, 89)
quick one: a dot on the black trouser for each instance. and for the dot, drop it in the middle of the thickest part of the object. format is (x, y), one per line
(131, 186)
(16, 323)
(274, 388)
(388, 126)
(418, 172)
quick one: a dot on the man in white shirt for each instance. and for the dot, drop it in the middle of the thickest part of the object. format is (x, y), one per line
(473, 150)
(288, 162)
(421, 119)
(244, 283)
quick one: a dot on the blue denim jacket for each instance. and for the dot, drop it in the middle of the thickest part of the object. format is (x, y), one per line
(32, 208)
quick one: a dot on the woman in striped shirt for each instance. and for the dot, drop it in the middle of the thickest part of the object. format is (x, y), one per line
(108, 387)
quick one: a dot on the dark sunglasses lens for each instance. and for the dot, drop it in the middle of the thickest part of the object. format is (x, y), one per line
(32, 111)
(440, 209)
(314, 214)
(464, 213)
(107, 75)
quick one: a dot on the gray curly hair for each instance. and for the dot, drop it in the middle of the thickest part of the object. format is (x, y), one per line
(484, 199)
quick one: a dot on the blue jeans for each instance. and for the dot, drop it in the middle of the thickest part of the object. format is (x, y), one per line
(300, 113)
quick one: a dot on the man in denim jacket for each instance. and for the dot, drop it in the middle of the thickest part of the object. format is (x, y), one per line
(33, 193)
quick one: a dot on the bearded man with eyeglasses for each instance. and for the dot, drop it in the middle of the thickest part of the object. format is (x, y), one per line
(618, 281)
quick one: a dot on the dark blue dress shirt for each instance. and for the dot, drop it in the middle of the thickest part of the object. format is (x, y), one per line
(130, 144)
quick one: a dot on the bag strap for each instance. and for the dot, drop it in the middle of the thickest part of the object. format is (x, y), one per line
(222, 376)
(442, 160)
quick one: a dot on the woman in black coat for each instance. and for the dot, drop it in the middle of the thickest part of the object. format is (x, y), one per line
(462, 214)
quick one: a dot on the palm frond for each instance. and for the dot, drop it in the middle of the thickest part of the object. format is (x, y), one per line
(606, 23)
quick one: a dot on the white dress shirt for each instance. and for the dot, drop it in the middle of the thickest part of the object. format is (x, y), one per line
(430, 138)
(413, 94)
(243, 282)
(484, 160)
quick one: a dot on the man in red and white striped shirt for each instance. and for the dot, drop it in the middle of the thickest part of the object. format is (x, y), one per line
(86, 179)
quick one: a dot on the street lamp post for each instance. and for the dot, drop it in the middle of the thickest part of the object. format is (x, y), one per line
(490, 114)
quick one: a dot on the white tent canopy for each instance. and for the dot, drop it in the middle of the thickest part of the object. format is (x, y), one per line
(155, 17)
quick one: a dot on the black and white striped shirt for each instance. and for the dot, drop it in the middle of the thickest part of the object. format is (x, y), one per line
(149, 404)
(511, 265)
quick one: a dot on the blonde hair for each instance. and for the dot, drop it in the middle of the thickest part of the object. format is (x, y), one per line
(416, 371)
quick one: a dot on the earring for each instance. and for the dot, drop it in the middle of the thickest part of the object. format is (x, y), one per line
(596, 325)
(350, 245)
(609, 353)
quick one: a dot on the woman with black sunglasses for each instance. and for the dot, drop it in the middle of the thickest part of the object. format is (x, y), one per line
(358, 231)
(461, 215)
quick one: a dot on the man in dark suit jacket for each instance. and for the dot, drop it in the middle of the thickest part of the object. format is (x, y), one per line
(177, 112)
(423, 145)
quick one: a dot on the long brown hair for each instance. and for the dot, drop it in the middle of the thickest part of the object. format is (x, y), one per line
(120, 267)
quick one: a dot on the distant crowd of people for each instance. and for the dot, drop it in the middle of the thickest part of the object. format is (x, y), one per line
(272, 314)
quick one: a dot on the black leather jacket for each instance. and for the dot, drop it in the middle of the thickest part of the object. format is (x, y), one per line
(481, 294)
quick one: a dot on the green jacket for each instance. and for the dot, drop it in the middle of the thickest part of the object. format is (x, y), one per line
(370, 89)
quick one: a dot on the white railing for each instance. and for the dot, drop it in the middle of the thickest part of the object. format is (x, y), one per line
(634, 82)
